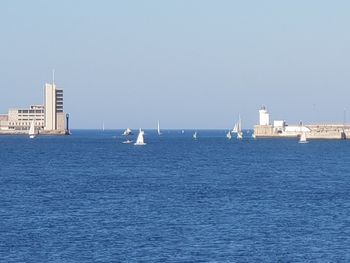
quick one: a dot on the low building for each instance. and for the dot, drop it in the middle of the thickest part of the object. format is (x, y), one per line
(20, 119)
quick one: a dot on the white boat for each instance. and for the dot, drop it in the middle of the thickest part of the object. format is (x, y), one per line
(253, 135)
(158, 129)
(302, 138)
(238, 128)
(127, 141)
(31, 131)
(183, 131)
(140, 139)
(228, 135)
(195, 135)
(127, 132)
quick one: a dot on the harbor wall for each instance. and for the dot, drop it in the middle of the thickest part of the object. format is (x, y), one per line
(318, 131)
(41, 132)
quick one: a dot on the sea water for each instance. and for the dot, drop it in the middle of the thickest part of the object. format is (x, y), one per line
(89, 198)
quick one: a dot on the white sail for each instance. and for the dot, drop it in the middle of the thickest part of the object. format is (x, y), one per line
(239, 125)
(303, 138)
(158, 129)
(195, 135)
(235, 128)
(127, 132)
(140, 139)
(228, 135)
(239, 128)
(31, 131)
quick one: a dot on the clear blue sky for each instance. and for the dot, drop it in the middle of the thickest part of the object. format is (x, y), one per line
(190, 64)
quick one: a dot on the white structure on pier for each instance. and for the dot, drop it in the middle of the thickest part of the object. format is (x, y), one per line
(280, 128)
(264, 116)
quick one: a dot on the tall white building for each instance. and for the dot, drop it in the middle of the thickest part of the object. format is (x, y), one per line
(264, 116)
(54, 115)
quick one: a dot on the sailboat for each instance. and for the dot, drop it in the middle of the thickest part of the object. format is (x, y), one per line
(302, 138)
(127, 132)
(238, 128)
(228, 135)
(140, 139)
(195, 135)
(31, 131)
(158, 129)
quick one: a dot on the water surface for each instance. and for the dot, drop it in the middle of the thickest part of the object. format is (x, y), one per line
(90, 198)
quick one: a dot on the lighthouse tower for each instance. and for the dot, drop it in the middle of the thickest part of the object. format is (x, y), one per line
(264, 116)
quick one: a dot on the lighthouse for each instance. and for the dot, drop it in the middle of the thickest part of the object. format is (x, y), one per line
(264, 116)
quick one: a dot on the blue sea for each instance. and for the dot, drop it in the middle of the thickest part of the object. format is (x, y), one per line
(89, 198)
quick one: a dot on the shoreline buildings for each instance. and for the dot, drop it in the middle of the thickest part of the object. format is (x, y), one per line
(48, 118)
(280, 129)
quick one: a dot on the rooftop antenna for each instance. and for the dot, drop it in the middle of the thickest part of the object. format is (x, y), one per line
(53, 77)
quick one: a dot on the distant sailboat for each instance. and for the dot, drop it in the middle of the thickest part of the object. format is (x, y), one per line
(183, 131)
(31, 131)
(140, 139)
(195, 135)
(303, 138)
(238, 128)
(127, 132)
(228, 135)
(103, 126)
(158, 129)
